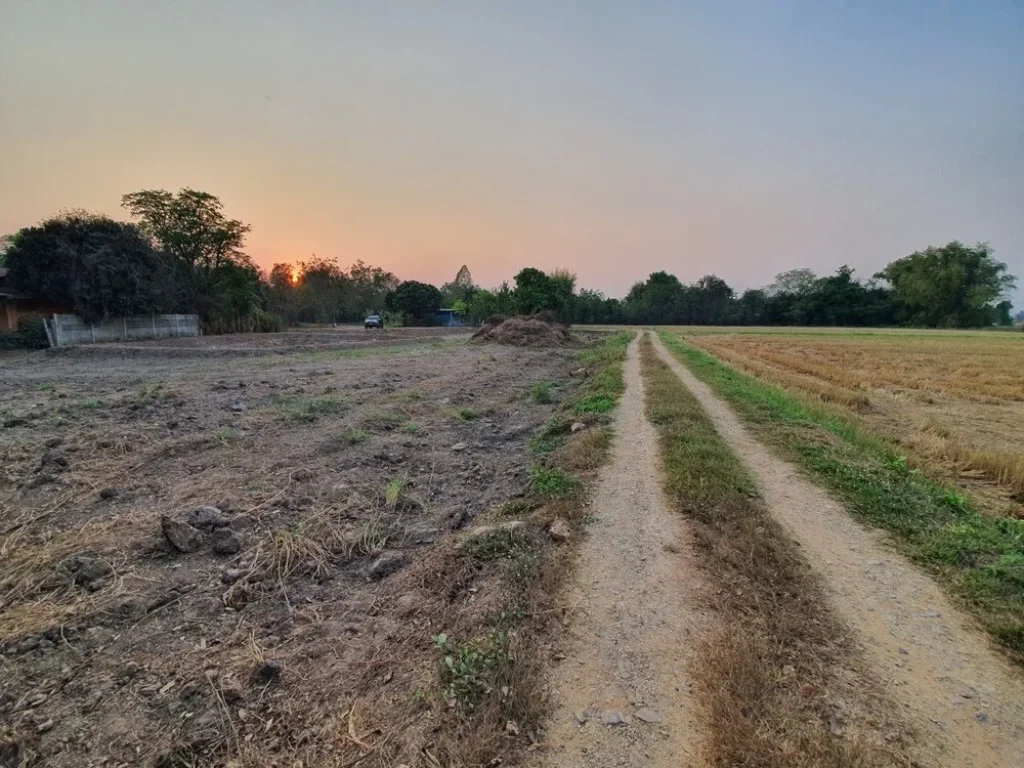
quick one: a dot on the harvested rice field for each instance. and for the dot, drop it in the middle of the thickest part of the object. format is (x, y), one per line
(953, 399)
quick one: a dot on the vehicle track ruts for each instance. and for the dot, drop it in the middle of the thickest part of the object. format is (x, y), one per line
(634, 614)
(965, 699)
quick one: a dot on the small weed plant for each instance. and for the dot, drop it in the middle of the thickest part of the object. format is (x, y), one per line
(541, 392)
(471, 671)
(554, 482)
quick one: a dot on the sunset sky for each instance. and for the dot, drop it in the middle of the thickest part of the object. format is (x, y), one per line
(614, 138)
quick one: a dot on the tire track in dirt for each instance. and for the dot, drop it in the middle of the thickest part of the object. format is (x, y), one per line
(966, 700)
(629, 643)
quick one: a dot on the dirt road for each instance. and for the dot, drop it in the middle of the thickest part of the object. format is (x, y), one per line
(966, 701)
(621, 694)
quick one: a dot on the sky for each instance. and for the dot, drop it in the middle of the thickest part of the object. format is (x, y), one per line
(612, 138)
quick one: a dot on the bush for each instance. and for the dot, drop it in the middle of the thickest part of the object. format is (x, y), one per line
(31, 334)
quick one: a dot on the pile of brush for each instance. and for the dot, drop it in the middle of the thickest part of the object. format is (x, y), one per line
(539, 330)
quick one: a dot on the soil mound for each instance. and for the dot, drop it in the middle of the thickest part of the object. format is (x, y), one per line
(523, 331)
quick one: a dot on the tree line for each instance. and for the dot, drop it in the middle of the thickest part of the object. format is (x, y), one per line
(183, 254)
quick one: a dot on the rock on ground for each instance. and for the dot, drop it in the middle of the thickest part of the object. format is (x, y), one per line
(182, 536)
(207, 518)
(226, 542)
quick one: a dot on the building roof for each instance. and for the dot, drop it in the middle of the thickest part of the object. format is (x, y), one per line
(5, 290)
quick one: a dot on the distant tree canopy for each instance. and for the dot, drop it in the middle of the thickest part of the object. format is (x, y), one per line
(95, 266)
(320, 291)
(417, 302)
(185, 254)
(953, 286)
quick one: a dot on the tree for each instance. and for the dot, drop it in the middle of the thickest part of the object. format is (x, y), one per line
(418, 302)
(536, 291)
(660, 300)
(953, 286)
(223, 284)
(461, 288)
(369, 285)
(6, 241)
(795, 282)
(96, 266)
(190, 226)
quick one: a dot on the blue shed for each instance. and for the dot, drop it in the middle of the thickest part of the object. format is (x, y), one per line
(448, 317)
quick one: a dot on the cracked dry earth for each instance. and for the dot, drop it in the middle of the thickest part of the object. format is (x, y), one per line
(622, 693)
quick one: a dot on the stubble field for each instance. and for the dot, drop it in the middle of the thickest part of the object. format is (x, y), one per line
(953, 400)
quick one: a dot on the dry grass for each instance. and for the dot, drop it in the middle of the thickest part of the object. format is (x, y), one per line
(955, 401)
(779, 683)
(33, 593)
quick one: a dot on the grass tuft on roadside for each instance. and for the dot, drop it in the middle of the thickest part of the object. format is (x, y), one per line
(978, 559)
(774, 659)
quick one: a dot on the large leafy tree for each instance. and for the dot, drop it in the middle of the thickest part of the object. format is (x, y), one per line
(205, 246)
(537, 291)
(418, 302)
(94, 265)
(189, 226)
(953, 286)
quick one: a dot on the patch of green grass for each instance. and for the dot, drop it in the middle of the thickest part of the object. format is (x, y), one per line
(467, 413)
(541, 392)
(976, 558)
(554, 482)
(226, 436)
(412, 428)
(472, 671)
(552, 435)
(599, 402)
(307, 410)
(92, 404)
(393, 490)
(47, 386)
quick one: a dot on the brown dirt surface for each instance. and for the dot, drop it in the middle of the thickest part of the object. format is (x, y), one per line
(621, 695)
(965, 700)
(298, 629)
(258, 344)
(524, 331)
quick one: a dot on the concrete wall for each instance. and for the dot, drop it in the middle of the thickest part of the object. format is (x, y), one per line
(67, 330)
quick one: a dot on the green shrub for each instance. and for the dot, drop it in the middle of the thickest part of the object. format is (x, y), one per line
(31, 334)
(541, 392)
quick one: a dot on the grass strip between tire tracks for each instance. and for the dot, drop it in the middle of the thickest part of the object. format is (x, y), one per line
(978, 559)
(777, 681)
